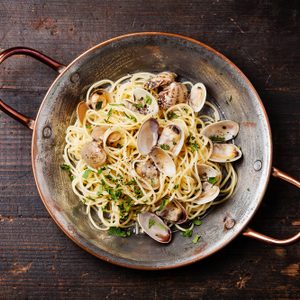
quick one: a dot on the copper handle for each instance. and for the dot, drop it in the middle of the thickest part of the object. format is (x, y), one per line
(264, 238)
(29, 122)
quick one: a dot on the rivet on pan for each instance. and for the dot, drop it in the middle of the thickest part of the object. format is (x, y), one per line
(229, 223)
(257, 165)
(47, 132)
(74, 77)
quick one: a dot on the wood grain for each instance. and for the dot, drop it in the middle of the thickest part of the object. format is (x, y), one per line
(36, 260)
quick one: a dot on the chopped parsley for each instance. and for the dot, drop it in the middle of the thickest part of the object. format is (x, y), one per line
(130, 182)
(176, 186)
(138, 192)
(164, 147)
(187, 233)
(65, 167)
(116, 104)
(197, 222)
(151, 223)
(116, 231)
(148, 100)
(196, 239)
(99, 105)
(86, 173)
(217, 138)
(192, 143)
(130, 117)
(88, 126)
(171, 115)
(115, 194)
(138, 105)
(109, 115)
(212, 180)
(163, 204)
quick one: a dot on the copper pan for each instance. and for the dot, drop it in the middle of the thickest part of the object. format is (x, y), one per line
(151, 51)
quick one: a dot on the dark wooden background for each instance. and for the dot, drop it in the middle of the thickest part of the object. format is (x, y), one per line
(36, 259)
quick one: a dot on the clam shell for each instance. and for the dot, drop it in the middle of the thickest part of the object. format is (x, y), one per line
(161, 79)
(93, 154)
(221, 131)
(163, 162)
(148, 171)
(147, 136)
(81, 110)
(99, 98)
(209, 193)
(175, 93)
(154, 227)
(205, 172)
(140, 97)
(225, 153)
(174, 212)
(98, 133)
(173, 136)
(197, 97)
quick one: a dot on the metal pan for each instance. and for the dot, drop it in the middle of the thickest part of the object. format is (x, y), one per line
(151, 51)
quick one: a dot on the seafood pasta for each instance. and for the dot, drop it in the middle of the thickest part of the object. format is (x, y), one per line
(144, 158)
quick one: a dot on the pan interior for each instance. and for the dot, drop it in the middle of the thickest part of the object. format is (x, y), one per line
(153, 52)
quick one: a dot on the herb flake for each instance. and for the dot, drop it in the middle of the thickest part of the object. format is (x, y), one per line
(196, 239)
(116, 231)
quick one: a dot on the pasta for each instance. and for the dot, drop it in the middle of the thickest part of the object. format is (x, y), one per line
(128, 183)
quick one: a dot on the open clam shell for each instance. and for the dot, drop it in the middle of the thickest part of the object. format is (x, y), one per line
(143, 102)
(154, 227)
(197, 97)
(98, 133)
(209, 193)
(148, 171)
(147, 136)
(98, 99)
(174, 212)
(205, 172)
(93, 154)
(161, 79)
(221, 131)
(172, 138)
(81, 110)
(225, 153)
(163, 161)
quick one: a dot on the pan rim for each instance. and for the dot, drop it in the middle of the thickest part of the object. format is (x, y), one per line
(226, 241)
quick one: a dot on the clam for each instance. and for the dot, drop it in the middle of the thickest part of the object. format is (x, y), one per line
(98, 133)
(144, 102)
(98, 99)
(81, 110)
(221, 131)
(93, 154)
(225, 153)
(175, 93)
(197, 97)
(147, 136)
(172, 138)
(173, 212)
(148, 171)
(209, 193)
(161, 79)
(154, 227)
(205, 172)
(113, 139)
(163, 161)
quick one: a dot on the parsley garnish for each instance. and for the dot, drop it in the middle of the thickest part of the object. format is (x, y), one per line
(118, 232)
(151, 223)
(196, 239)
(164, 147)
(88, 126)
(163, 204)
(130, 182)
(212, 180)
(171, 115)
(99, 105)
(65, 167)
(192, 143)
(148, 100)
(116, 104)
(217, 138)
(109, 115)
(131, 117)
(197, 222)
(187, 233)
(138, 105)
(86, 173)
(176, 186)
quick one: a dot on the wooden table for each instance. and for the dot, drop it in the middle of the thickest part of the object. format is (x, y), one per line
(36, 259)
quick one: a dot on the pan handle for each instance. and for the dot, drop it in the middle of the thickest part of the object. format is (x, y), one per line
(261, 237)
(28, 122)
